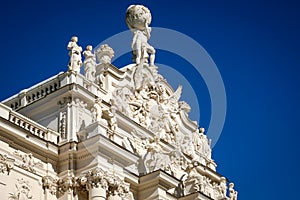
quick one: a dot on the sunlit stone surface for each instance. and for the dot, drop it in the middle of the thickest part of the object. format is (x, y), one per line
(110, 133)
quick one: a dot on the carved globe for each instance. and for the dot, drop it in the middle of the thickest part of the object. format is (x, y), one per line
(137, 16)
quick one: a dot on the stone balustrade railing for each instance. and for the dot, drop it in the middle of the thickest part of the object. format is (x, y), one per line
(34, 93)
(33, 127)
(37, 92)
(85, 83)
(28, 124)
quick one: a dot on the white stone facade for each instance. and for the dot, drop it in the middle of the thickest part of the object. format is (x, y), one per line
(108, 134)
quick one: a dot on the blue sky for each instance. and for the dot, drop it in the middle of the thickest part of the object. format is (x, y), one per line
(255, 45)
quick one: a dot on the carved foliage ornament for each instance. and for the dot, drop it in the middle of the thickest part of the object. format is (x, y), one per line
(50, 184)
(96, 178)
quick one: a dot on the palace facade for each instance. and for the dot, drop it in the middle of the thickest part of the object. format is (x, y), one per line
(109, 133)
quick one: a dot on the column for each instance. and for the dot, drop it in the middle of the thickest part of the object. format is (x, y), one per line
(97, 193)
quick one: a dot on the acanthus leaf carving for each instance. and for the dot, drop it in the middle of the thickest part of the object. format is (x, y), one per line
(67, 184)
(95, 178)
(50, 184)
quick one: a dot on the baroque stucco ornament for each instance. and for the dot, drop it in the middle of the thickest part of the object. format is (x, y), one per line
(149, 101)
(111, 133)
(6, 164)
(28, 161)
(50, 183)
(113, 187)
(23, 191)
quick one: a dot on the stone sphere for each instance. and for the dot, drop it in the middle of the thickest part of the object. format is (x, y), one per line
(137, 16)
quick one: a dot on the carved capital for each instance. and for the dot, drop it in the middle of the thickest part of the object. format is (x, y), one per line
(50, 183)
(114, 186)
(66, 184)
(94, 179)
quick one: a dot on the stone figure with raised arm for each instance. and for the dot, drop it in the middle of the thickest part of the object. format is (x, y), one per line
(89, 63)
(138, 18)
(75, 55)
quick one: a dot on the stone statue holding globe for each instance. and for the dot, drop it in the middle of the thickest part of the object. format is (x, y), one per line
(138, 19)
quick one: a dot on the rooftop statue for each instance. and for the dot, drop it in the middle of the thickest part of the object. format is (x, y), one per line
(75, 55)
(89, 63)
(104, 54)
(232, 193)
(138, 19)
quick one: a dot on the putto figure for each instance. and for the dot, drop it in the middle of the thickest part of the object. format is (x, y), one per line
(75, 55)
(138, 19)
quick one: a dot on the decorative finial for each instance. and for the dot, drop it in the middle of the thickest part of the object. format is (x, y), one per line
(138, 19)
(75, 55)
(104, 54)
